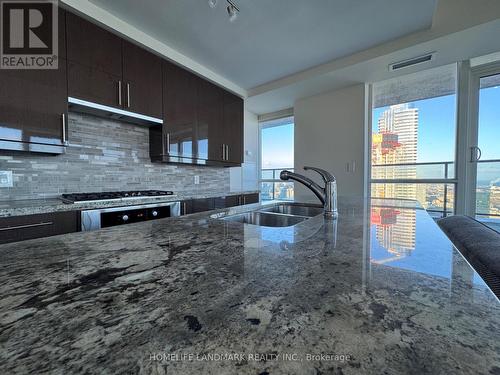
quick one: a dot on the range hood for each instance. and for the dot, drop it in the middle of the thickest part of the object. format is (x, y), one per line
(83, 106)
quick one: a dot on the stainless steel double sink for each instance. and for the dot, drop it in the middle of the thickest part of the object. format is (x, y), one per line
(278, 215)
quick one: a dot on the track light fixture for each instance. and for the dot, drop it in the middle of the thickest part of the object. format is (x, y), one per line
(232, 9)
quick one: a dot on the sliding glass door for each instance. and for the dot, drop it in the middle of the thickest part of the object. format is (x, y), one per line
(413, 139)
(485, 146)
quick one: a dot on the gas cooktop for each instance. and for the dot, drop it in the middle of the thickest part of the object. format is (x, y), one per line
(112, 195)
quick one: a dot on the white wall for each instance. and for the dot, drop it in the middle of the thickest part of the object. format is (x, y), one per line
(330, 132)
(246, 176)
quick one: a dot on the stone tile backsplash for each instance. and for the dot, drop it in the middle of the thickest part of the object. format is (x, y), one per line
(103, 155)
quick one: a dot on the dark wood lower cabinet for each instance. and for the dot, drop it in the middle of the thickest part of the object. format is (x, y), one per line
(200, 205)
(20, 228)
(197, 205)
(250, 198)
(233, 200)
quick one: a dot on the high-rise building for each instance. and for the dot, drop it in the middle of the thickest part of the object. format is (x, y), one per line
(395, 230)
(396, 143)
(494, 208)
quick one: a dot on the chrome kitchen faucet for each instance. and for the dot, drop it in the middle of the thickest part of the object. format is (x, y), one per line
(327, 195)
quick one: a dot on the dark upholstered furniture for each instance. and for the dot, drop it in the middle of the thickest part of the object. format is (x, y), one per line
(479, 244)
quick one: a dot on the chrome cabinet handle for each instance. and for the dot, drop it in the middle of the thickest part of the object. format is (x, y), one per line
(120, 93)
(64, 128)
(168, 143)
(128, 95)
(227, 152)
(27, 226)
(244, 199)
(223, 152)
(184, 208)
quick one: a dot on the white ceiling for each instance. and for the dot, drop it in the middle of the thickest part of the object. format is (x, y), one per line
(373, 67)
(272, 38)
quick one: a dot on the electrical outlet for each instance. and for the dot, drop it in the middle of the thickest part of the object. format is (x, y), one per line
(196, 180)
(6, 179)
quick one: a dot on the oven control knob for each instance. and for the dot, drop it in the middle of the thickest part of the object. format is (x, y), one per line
(154, 213)
(125, 217)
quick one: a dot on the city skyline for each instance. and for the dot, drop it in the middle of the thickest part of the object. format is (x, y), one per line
(437, 128)
(437, 131)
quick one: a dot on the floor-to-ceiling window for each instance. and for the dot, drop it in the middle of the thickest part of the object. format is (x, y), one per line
(485, 150)
(276, 154)
(414, 138)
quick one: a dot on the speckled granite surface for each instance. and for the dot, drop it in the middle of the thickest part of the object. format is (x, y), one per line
(381, 290)
(39, 206)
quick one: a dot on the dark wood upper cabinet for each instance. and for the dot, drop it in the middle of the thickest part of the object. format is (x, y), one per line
(32, 106)
(92, 46)
(105, 69)
(203, 124)
(210, 121)
(94, 62)
(61, 30)
(222, 113)
(179, 109)
(142, 81)
(233, 128)
(93, 85)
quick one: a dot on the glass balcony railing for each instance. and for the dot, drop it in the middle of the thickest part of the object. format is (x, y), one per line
(432, 184)
(431, 170)
(272, 188)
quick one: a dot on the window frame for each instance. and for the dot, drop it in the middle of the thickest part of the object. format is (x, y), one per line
(266, 122)
(440, 181)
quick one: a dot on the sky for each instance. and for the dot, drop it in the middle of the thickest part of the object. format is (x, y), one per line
(277, 147)
(437, 124)
(436, 128)
(436, 134)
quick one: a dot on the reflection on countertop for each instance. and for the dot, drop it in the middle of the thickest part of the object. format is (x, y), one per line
(382, 285)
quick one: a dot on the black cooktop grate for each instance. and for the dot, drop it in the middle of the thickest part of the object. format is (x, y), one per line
(83, 197)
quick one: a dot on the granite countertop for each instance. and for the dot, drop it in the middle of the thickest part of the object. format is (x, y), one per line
(380, 290)
(41, 206)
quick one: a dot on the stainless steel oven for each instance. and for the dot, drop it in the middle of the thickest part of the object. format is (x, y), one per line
(108, 217)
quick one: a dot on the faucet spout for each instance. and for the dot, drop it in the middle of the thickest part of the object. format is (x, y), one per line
(327, 195)
(313, 186)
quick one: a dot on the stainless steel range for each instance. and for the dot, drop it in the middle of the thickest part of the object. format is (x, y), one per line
(111, 216)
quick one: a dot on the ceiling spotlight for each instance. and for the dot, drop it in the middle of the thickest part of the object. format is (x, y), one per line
(232, 11)
(212, 3)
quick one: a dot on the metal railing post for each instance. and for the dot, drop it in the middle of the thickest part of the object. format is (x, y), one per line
(445, 213)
